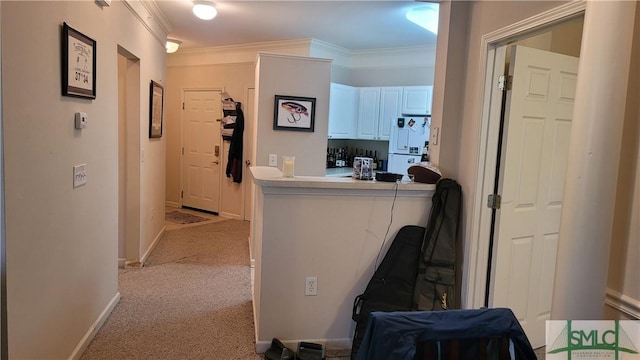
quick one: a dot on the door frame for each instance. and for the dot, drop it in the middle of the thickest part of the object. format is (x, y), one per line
(182, 95)
(478, 252)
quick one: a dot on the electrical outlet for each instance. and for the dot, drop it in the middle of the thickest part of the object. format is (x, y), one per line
(273, 160)
(311, 286)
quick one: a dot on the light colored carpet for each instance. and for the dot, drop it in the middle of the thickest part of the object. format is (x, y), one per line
(191, 300)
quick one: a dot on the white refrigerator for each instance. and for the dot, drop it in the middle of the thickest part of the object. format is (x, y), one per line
(408, 137)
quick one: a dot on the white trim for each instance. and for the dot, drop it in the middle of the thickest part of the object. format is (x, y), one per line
(329, 344)
(623, 303)
(230, 216)
(153, 245)
(403, 57)
(142, 12)
(93, 330)
(172, 204)
(122, 262)
(477, 250)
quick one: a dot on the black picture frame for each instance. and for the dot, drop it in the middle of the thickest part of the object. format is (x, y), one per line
(78, 64)
(294, 113)
(156, 107)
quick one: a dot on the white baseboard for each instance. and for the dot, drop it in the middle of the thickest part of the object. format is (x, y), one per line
(623, 303)
(329, 344)
(227, 215)
(173, 204)
(121, 262)
(93, 330)
(153, 245)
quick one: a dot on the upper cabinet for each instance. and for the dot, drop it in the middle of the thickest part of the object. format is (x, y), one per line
(416, 100)
(378, 107)
(390, 104)
(368, 113)
(343, 111)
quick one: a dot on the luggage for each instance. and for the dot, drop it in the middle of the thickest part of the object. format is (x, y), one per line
(392, 285)
(418, 271)
(435, 285)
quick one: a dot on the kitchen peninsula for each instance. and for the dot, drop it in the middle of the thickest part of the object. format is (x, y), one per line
(335, 229)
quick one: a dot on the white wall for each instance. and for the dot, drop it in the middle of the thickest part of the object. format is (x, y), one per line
(62, 242)
(331, 233)
(461, 128)
(294, 76)
(623, 293)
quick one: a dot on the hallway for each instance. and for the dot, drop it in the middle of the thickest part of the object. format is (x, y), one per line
(191, 300)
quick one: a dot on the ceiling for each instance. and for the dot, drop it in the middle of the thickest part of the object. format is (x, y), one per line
(353, 25)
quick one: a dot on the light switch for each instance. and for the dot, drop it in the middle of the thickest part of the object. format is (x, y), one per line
(273, 160)
(79, 175)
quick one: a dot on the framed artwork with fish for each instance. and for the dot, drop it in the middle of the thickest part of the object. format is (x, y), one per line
(294, 113)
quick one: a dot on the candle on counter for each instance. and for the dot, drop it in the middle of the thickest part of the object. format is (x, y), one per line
(287, 165)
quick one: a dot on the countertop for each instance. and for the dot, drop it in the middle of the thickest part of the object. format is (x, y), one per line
(267, 176)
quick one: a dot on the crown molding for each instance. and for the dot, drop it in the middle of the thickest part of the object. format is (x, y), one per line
(419, 56)
(158, 16)
(143, 12)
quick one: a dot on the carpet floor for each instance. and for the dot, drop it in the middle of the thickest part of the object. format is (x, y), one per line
(191, 300)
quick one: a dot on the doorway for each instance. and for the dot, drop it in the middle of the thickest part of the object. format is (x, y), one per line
(563, 24)
(532, 162)
(128, 158)
(201, 150)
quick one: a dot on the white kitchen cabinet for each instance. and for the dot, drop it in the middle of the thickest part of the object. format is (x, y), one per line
(377, 108)
(343, 111)
(416, 100)
(368, 113)
(390, 110)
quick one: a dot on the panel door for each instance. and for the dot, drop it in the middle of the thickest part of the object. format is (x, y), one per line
(538, 116)
(201, 168)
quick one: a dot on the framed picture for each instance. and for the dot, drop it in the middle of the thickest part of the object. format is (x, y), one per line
(78, 64)
(155, 109)
(294, 113)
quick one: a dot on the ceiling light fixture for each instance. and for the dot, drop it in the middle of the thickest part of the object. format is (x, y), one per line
(204, 10)
(173, 45)
(425, 16)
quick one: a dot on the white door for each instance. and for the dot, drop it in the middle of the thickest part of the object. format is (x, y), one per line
(201, 169)
(538, 115)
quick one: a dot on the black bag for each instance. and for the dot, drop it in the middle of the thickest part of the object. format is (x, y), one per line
(436, 282)
(392, 285)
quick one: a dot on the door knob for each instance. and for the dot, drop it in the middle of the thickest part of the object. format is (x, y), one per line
(214, 162)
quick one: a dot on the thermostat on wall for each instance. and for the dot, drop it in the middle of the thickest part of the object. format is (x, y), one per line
(81, 120)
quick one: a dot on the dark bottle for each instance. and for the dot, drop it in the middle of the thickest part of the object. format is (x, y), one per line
(375, 160)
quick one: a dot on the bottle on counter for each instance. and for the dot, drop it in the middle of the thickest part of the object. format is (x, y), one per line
(374, 165)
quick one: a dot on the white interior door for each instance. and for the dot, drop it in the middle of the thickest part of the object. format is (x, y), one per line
(201, 169)
(538, 115)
